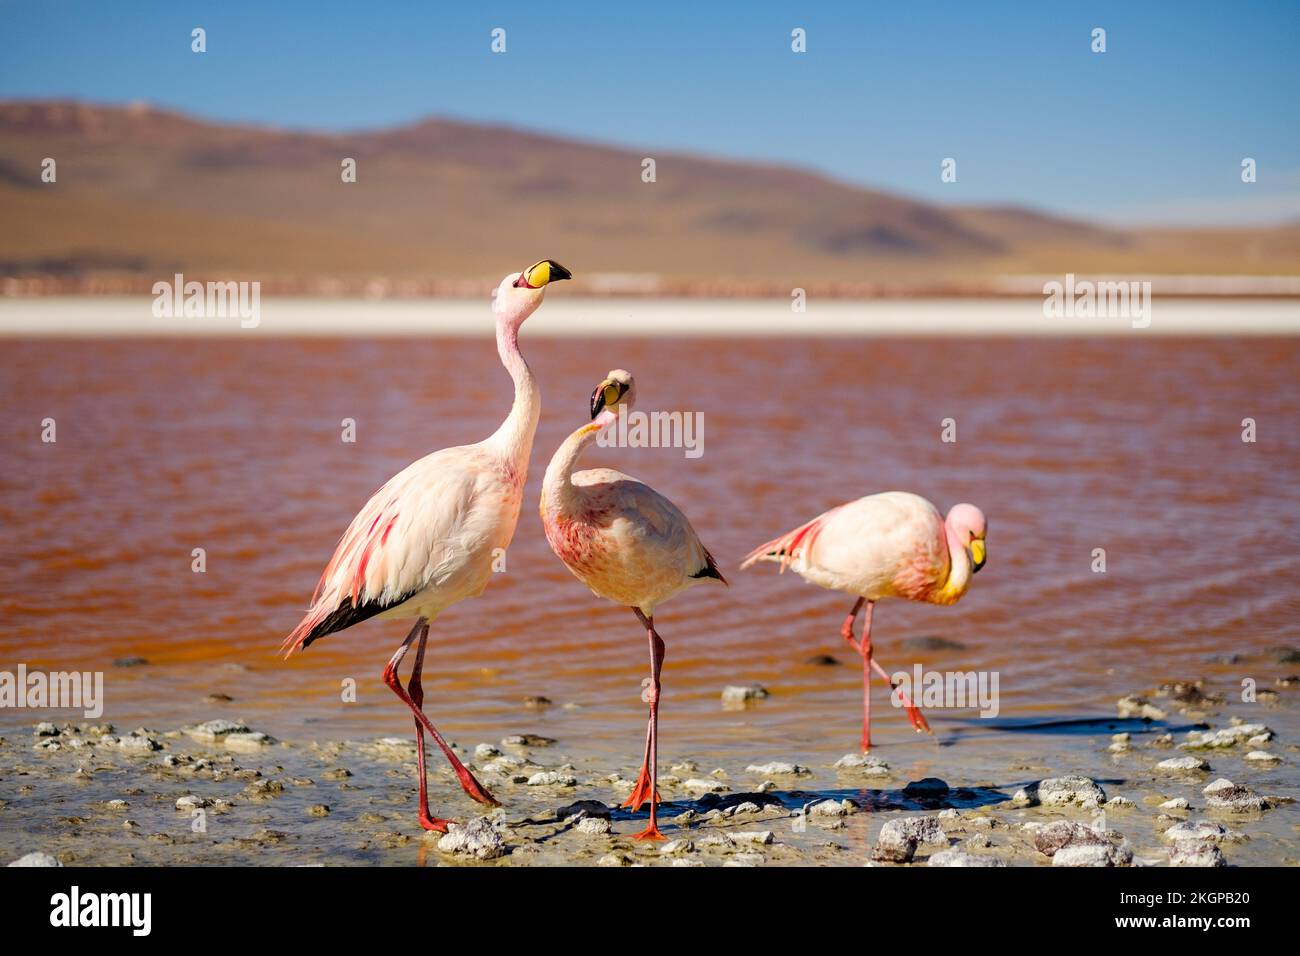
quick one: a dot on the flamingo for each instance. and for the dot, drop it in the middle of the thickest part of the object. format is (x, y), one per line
(628, 544)
(430, 536)
(894, 544)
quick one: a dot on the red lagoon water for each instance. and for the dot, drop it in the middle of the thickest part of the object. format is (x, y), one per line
(1133, 446)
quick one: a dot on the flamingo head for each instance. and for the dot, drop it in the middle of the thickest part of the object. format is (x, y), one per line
(617, 390)
(520, 293)
(968, 523)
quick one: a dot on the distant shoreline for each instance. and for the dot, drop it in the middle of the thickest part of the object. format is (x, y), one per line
(577, 316)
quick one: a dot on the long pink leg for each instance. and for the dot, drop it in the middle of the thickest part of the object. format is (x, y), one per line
(913, 712)
(416, 689)
(651, 696)
(870, 664)
(846, 631)
(467, 781)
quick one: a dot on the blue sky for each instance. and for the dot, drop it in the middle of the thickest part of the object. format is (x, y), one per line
(1154, 129)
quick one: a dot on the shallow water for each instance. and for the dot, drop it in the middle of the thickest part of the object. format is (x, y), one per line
(1068, 445)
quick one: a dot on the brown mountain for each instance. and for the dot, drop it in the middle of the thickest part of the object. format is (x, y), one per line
(143, 193)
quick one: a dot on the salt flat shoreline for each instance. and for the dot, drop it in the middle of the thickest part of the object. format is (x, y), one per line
(132, 316)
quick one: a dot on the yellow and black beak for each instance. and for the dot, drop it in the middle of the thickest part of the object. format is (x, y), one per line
(606, 395)
(977, 554)
(541, 273)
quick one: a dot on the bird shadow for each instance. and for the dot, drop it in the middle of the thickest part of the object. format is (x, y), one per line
(1061, 726)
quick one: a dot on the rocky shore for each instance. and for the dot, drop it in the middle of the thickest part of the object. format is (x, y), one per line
(220, 792)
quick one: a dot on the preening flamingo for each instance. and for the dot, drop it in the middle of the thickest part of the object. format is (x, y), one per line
(894, 544)
(630, 545)
(428, 538)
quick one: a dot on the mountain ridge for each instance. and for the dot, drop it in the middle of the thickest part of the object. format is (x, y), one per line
(143, 191)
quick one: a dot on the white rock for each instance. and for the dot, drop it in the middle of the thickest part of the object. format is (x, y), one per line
(753, 837)
(1182, 764)
(827, 808)
(705, 785)
(1060, 791)
(1226, 736)
(1089, 854)
(506, 764)
(1195, 830)
(1223, 794)
(1263, 757)
(1135, 706)
(138, 745)
(958, 857)
(477, 838)
(736, 695)
(1177, 803)
(676, 847)
(192, 802)
(36, 859)
(716, 839)
(1196, 853)
(864, 765)
(251, 741)
(211, 730)
(486, 752)
(552, 778)
(778, 768)
(594, 825)
(926, 830)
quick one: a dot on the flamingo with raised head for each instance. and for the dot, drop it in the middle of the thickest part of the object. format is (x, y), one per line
(430, 536)
(630, 545)
(894, 544)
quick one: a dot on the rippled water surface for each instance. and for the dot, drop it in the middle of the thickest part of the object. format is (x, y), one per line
(1126, 444)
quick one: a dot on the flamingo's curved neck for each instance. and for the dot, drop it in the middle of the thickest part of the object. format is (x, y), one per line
(959, 568)
(514, 439)
(557, 487)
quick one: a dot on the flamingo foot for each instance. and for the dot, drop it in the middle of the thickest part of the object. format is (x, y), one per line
(475, 789)
(435, 824)
(640, 794)
(918, 720)
(651, 832)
